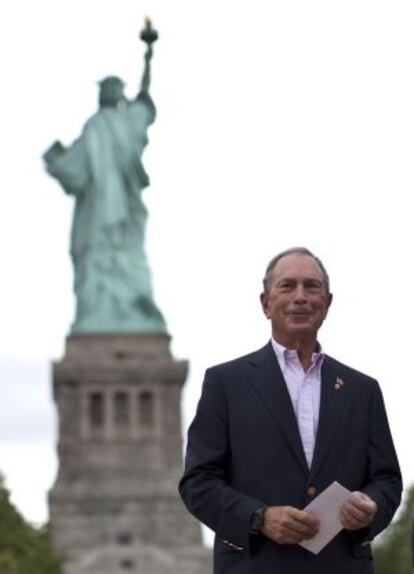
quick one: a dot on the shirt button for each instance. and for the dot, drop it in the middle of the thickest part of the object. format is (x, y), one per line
(311, 491)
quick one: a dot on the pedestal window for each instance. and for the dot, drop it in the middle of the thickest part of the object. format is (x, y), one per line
(146, 407)
(121, 409)
(96, 411)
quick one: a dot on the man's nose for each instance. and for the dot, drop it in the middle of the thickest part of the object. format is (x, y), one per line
(300, 294)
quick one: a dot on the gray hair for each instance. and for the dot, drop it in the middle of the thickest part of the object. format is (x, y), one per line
(267, 281)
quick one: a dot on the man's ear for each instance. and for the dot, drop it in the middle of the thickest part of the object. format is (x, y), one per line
(329, 298)
(264, 300)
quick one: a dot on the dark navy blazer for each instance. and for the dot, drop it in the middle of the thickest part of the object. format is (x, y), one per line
(244, 451)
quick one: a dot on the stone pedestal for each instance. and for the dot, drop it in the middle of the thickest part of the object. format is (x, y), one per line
(114, 507)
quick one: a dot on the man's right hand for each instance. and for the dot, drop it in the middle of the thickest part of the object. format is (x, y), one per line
(288, 525)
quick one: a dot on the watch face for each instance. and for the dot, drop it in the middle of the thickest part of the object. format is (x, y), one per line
(257, 521)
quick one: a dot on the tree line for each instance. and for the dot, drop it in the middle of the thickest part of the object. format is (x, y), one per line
(24, 549)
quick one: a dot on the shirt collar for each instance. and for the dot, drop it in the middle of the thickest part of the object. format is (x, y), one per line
(284, 354)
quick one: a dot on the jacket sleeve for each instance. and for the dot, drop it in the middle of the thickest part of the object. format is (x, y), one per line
(384, 483)
(206, 485)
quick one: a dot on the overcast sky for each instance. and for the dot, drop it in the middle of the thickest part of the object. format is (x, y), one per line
(279, 123)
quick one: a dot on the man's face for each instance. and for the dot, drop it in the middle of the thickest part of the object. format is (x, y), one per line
(297, 302)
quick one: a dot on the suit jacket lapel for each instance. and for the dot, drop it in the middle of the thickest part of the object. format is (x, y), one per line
(334, 405)
(268, 381)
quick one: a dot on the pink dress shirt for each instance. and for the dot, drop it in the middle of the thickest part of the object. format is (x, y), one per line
(305, 393)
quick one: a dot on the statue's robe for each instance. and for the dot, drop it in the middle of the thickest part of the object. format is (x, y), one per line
(103, 170)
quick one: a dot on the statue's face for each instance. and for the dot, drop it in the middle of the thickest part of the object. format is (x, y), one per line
(111, 94)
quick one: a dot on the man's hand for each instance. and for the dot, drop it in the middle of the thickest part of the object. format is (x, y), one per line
(358, 511)
(288, 525)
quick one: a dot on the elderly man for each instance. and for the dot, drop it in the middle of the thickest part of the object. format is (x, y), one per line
(273, 429)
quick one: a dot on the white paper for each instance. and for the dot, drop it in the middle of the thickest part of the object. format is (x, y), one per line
(326, 508)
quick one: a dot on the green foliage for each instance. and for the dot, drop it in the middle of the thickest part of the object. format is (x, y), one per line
(393, 552)
(23, 548)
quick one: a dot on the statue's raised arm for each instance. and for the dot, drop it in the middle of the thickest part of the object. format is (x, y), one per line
(148, 35)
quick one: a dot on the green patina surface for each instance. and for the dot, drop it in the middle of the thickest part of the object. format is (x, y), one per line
(103, 171)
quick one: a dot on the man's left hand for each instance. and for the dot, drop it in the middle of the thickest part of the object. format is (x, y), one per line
(358, 511)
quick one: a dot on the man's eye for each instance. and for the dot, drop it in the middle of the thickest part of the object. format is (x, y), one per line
(285, 286)
(314, 287)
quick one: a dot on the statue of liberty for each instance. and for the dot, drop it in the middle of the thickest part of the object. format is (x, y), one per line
(103, 170)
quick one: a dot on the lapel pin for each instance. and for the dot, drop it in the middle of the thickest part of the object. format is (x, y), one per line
(339, 383)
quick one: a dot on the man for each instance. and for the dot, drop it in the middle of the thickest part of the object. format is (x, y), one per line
(275, 428)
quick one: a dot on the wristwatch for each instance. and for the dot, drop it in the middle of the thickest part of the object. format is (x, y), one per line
(257, 520)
